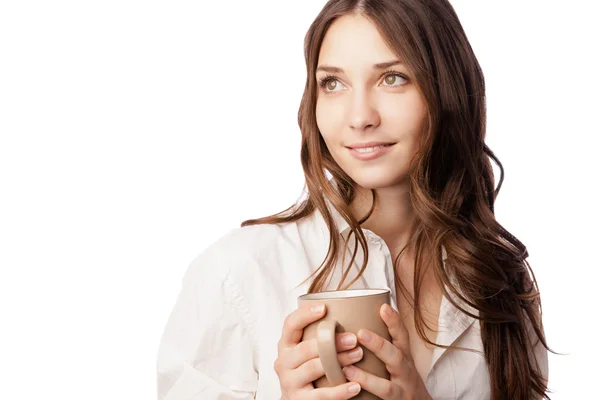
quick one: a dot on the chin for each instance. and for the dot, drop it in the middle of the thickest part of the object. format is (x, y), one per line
(378, 180)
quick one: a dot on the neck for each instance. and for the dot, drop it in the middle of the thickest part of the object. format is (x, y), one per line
(393, 217)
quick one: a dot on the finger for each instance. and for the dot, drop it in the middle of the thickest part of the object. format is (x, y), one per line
(380, 387)
(313, 369)
(308, 349)
(397, 329)
(350, 357)
(339, 392)
(295, 322)
(383, 349)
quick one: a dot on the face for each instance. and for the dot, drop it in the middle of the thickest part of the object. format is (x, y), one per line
(364, 103)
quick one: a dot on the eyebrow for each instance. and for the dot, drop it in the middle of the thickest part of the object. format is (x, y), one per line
(383, 65)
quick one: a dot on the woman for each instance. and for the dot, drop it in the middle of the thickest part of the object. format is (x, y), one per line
(394, 112)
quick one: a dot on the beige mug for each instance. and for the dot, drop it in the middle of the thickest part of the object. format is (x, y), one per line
(347, 311)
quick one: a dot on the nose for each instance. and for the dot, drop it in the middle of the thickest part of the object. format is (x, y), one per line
(363, 114)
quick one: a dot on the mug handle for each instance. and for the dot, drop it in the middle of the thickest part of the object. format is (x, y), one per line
(328, 352)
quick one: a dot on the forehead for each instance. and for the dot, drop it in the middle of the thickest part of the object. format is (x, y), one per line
(352, 41)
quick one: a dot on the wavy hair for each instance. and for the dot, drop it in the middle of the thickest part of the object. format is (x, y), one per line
(451, 187)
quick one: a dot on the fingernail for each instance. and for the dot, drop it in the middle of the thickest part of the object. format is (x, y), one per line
(356, 353)
(349, 371)
(387, 309)
(317, 308)
(354, 388)
(349, 340)
(365, 336)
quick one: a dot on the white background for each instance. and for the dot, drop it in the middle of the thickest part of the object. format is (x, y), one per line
(135, 133)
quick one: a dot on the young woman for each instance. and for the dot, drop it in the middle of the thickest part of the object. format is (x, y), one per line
(400, 195)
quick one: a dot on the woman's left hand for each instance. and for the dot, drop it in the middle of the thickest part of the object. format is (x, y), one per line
(405, 382)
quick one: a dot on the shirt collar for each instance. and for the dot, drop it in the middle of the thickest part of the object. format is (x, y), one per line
(342, 226)
(450, 315)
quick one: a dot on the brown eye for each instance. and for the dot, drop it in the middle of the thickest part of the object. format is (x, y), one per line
(391, 78)
(329, 84)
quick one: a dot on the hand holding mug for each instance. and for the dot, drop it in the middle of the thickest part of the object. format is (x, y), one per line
(348, 311)
(298, 364)
(405, 382)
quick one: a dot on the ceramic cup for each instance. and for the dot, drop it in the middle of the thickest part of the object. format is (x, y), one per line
(347, 311)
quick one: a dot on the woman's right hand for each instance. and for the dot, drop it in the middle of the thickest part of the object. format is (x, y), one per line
(298, 364)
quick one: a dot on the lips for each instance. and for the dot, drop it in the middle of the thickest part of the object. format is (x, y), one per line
(369, 144)
(367, 149)
(370, 155)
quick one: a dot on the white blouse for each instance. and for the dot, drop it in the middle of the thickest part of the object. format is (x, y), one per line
(220, 341)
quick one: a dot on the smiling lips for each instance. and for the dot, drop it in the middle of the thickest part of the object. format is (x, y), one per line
(369, 151)
(369, 144)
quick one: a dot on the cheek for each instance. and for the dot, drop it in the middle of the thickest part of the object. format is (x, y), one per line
(328, 121)
(319, 115)
(408, 116)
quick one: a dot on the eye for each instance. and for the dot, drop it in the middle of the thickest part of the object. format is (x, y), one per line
(330, 82)
(391, 78)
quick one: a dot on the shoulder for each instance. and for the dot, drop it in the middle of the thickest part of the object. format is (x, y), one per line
(238, 251)
(246, 242)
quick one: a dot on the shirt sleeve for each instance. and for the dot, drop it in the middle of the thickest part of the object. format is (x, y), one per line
(207, 349)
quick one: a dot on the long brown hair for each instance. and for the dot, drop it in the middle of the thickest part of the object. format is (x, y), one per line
(451, 187)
